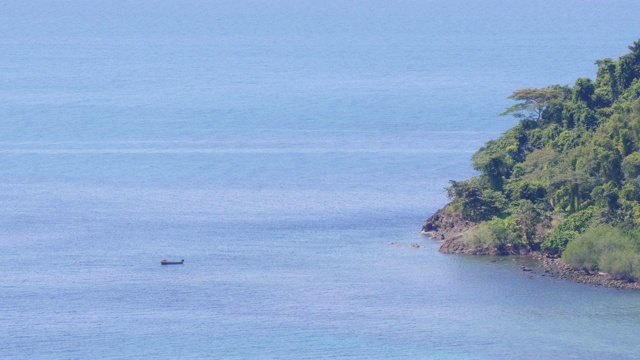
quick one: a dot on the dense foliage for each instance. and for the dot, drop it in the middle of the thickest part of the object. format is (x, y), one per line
(566, 178)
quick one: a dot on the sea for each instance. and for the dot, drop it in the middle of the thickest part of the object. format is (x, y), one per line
(289, 151)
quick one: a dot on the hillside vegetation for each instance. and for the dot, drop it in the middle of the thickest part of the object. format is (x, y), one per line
(566, 179)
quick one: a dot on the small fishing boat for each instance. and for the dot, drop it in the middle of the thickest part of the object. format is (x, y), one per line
(172, 262)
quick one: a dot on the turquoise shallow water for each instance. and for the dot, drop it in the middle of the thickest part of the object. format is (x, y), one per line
(278, 147)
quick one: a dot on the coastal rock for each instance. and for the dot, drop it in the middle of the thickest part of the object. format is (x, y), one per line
(459, 245)
(452, 229)
(411, 246)
(446, 225)
(554, 266)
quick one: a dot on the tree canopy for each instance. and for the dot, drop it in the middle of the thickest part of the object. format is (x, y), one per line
(571, 166)
(532, 102)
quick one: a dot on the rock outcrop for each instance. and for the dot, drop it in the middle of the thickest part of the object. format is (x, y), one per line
(452, 229)
(446, 225)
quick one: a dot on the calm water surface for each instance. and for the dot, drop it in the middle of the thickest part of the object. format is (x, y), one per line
(278, 147)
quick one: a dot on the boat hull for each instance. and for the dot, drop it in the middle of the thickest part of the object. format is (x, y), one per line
(172, 262)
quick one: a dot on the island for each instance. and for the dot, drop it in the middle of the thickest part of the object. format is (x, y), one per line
(563, 185)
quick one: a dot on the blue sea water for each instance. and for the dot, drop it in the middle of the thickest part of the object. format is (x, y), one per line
(279, 147)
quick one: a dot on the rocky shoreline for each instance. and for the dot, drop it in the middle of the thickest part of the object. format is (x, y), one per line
(452, 230)
(554, 266)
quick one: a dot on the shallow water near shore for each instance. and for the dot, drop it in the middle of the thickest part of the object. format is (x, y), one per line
(279, 148)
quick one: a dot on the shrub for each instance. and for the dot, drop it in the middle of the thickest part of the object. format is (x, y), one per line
(604, 248)
(581, 252)
(622, 264)
(529, 190)
(575, 224)
(497, 233)
(558, 241)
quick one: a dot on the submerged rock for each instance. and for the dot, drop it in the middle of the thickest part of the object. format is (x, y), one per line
(411, 246)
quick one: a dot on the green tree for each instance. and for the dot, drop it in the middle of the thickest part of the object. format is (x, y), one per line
(532, 102)
(531, 190)
(606, 196)
(574, 224)
(606, 88)
(631, 166)
(628, 68)
(526, 216)
(583, 90)
(611, 166)
(631, 190)
(473, 201)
